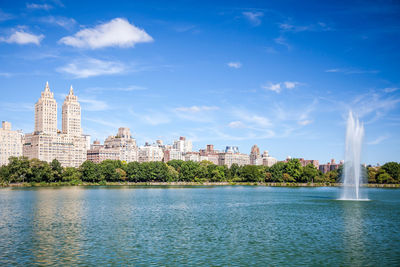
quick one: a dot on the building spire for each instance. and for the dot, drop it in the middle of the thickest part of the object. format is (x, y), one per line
(71, 91)
(47, 89)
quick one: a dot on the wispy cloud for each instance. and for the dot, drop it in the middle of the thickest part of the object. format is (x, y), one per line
(17, 107)
(305, 122)
(115, 33)
(235, 65)
(89, 67)
(378, 140)
(196, 109)
(5, 74)
(38, 6)
(5, 16)
(21, 37)
(390, 89)
(278, 87)
(236, 124)
(93, 104)
(253, 17)
(67, 23)
(351, 71)
(282, 41)
(291, 27)
(129, 88)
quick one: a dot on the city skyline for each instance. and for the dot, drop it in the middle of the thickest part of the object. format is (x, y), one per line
(221, 74)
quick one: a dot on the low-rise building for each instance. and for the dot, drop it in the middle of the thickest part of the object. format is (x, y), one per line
(230, 158)
(330, 166)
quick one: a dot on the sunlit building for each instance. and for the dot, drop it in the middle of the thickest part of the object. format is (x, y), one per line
(10, 143)
(119, 147)
(46, 143)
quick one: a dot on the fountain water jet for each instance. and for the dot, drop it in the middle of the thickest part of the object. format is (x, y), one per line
(353, 177)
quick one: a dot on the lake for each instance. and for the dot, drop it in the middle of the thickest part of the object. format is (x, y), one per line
(218, 226)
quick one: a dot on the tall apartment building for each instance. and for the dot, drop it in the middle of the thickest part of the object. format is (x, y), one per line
(10, 143)
(267, 159)
(46, 143)
(120, 147)
(255, 157)
(183, 145)
(153, 152)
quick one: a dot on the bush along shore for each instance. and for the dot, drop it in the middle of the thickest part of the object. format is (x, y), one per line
(24, 172)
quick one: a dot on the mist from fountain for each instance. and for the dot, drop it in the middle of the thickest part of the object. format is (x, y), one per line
(353, 177)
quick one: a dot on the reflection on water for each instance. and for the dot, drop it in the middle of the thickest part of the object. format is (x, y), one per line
(211, 226)
(57, 225)
(353, 234)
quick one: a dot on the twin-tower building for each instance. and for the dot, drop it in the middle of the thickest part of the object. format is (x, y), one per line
(46, 143)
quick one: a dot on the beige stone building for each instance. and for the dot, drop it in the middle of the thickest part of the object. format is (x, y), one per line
(120, 147)
(46, 143)
(10, 143)
(149, 153)
(229, 158)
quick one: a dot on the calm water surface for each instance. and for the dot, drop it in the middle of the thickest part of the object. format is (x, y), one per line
(218, 226)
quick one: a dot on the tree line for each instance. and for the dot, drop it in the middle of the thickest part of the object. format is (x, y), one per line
(23, 170)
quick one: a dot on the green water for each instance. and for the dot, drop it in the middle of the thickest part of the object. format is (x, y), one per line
(218, 226)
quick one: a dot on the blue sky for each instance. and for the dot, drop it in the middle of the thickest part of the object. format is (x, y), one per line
(280, 74)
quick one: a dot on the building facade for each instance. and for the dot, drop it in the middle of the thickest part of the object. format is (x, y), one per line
(119, 147)
(10, 143)
(46, 143)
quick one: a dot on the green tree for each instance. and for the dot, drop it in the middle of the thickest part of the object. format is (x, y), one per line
(19, 170)
(294, 169)
(71, 174)
(132, 171)
(40, 171)
(252, 173)
(393, 169)
(90, 172)
(309, 173)
(383, 177)
(277, 171)
(56, 169)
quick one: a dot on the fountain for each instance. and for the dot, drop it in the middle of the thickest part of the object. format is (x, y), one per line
(353, 177)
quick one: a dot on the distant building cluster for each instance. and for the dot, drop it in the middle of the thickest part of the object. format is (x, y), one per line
(71, 147)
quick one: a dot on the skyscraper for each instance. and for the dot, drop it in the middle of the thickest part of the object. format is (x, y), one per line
(46, 113)
(46, 142)
(71, 115)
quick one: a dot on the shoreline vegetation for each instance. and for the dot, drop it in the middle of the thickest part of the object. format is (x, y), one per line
(172, 184)
(33, 172)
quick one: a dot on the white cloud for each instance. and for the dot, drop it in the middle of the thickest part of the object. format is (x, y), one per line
(92, 67)
(117, 32)
(290, 85)
(304, 122)
(352, 71)
(390, 89)
(282, 41)
(195, 109)
(39, 6)
(5, 16)
(21, 37)
(318, 27)
(235, 65)
(254, 17)
(93, 104)
(236, 124)
(378, 140)
(67, 23)
(276, 87)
